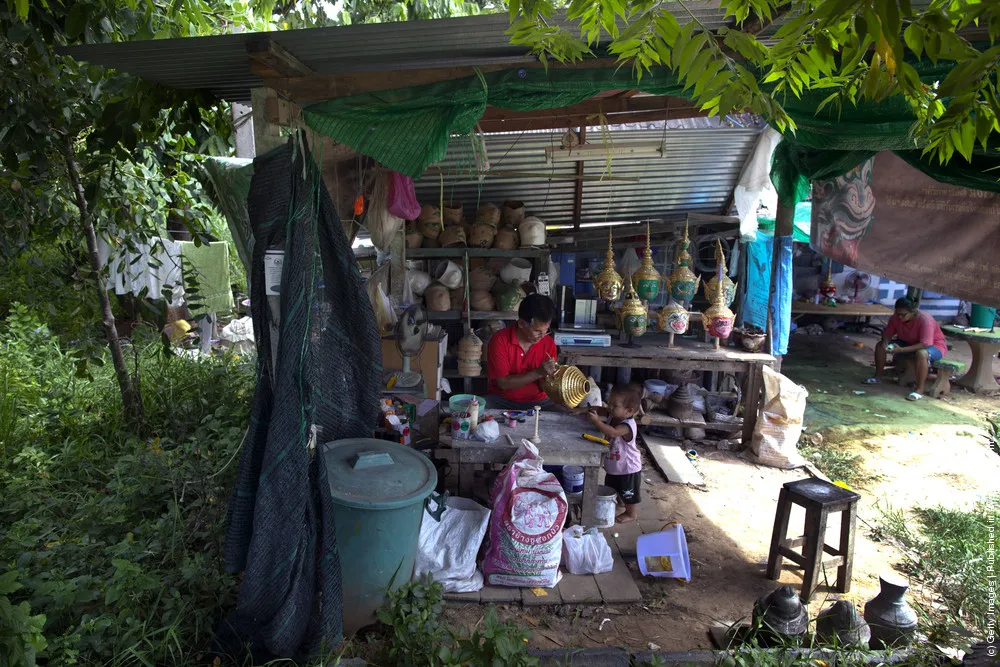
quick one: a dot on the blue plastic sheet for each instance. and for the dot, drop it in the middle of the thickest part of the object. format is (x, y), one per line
(759, 254)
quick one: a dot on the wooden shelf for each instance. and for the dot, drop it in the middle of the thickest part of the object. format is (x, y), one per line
(455, 315)
(663, 419)
(435, 253)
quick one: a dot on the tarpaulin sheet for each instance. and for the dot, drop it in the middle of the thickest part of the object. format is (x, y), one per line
(759, 255)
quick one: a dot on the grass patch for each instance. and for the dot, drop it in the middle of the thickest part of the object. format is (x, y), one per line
(947, 554)
(838, 464)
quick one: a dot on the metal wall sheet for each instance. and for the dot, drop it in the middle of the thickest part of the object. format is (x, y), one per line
(697, 175)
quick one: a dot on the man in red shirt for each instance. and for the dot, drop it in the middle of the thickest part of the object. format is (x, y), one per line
(521, 355)
(921, 343)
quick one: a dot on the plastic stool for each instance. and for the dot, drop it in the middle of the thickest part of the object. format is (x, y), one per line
(820, 499)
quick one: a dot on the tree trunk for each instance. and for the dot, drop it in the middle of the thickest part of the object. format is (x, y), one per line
(131, 397)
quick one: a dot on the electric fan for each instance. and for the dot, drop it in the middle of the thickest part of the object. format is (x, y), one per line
(411, 327)
(858, 281)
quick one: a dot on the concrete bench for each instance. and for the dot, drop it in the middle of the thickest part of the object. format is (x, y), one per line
(945, 369)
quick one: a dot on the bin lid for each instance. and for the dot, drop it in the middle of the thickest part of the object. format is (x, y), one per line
(377, 474)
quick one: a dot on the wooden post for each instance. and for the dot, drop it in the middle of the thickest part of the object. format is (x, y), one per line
(578, 194)
(266, 136)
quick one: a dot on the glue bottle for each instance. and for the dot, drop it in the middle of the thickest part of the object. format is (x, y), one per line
(473, 414)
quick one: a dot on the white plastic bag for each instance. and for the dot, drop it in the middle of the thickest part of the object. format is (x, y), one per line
(447, 549)
(779, 422)
(586, 553)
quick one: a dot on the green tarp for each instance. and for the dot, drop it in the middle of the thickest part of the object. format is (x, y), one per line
(408, 129)
(801, 223)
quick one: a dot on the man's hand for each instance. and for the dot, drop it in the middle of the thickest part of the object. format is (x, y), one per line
(548, 367)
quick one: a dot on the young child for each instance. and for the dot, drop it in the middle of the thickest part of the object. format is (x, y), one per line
(623, 465)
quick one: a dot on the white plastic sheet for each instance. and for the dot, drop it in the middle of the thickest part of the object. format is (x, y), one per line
(586, 552)
(447, 549)
(755, 182)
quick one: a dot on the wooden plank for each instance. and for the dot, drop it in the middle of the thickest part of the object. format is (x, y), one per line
(495, 594)
(463, 597)
(751, 401)
(618, 584)
(654, 348)
(579, 588)
(596, 359)
(672, 461)
(627, 533)
(551, 597)
(842, 309)
(663, 419)
(572, 120)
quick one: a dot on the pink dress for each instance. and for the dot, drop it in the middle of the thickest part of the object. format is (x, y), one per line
(623, 455)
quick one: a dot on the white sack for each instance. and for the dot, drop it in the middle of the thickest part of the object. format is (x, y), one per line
(779, 422)
(586, 553)
(447, 549)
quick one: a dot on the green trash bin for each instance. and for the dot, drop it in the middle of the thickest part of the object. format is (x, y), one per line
(378, 489)
(982, 316)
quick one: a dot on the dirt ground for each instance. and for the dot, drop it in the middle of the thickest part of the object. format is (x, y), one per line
(924, 453)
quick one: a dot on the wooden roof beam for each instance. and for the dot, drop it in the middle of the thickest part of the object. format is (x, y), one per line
(268, 58)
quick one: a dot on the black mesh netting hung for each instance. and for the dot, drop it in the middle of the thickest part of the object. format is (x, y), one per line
(328, 365)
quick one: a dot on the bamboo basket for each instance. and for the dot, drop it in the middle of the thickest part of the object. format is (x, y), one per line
(567, 386)
(470, 351)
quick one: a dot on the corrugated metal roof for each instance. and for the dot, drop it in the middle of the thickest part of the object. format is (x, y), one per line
(697, 175)
(220, 63)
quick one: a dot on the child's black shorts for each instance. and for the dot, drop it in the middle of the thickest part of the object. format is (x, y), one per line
(627, 486)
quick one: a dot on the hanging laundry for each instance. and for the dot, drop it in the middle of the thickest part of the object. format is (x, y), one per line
(208, 266)
(153, 266)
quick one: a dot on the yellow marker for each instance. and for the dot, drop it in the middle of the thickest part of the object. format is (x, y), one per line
(594, 438)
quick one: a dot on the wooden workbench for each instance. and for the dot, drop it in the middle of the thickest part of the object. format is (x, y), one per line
(689, 356)
(866, 310)
(561, 444)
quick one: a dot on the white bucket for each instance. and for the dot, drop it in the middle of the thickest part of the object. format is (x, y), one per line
(606, 505)
(664, 554)
(655, 386)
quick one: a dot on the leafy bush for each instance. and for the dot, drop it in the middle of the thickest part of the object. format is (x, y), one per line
(116, 538)
(417, 637)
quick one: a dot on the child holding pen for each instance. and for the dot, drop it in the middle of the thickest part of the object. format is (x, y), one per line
(623, 465)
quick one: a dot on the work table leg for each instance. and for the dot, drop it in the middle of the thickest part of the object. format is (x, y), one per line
(751, 401)
(590, 496)
(979, 378)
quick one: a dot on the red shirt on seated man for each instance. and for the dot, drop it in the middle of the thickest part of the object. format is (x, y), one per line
(521, 355)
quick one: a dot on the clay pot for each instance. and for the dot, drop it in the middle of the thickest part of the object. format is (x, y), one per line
(680, 405)
(452, 237)
(841, 625)
(482, 300)
(430, 243)
(430, 221)
(781, 616)
(481, 278)
(512, 214)
(517, 270)
(506, 239)
(448, 273)
(419, 281)
(891, 618)
(437, 298)
(452, 213)
(488, 214)
(752, 342)
(509, 297)
(414, 238)
(482, 236)
(532, 232)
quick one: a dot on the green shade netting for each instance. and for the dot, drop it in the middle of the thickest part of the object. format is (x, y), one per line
(801, 223)
(409, 128)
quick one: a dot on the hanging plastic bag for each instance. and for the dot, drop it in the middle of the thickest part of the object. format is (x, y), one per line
(403, 197)
(779, 423)
(447, 549)
(586, 553)
(382, 224)
(385, 316)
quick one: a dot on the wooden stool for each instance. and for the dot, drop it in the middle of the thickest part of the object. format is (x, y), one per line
(945, 369)
(820, 499)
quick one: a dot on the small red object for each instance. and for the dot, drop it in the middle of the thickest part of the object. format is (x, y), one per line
(359, 205)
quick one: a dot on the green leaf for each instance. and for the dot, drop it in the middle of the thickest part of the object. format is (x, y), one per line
(21, 9)
(76, 19)
(914, 38)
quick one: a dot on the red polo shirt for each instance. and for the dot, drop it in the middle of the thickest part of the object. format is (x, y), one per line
(505, 357)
